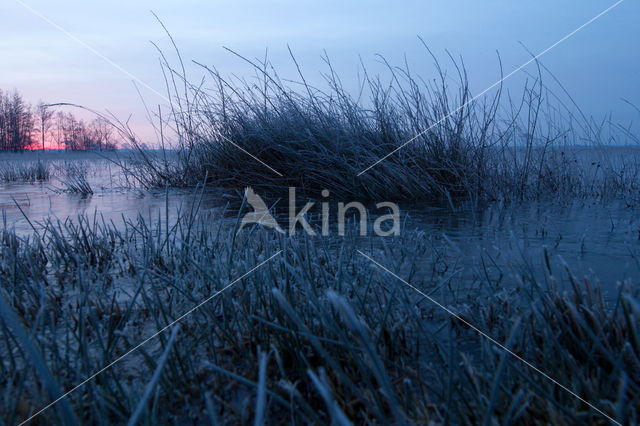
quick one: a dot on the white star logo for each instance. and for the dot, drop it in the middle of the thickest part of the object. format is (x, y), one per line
(261, 214)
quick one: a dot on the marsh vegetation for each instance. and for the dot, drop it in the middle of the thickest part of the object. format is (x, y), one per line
(317, 334)
(437, 140)
(520, 241)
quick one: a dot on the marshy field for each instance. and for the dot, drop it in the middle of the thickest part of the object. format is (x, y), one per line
(510, 296)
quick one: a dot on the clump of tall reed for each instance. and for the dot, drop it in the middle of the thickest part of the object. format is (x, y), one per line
(74, 180)
(317, 334)
(435, 140)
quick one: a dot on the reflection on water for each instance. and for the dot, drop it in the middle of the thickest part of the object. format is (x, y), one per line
(598, 238)
(602, 237)
(39, 202)
(113, 199)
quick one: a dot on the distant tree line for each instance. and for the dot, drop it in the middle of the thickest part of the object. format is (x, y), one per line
(24, 126)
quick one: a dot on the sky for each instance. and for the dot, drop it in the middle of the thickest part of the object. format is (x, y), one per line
(89, 53)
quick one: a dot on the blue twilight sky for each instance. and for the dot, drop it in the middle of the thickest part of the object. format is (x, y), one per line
(599, 65)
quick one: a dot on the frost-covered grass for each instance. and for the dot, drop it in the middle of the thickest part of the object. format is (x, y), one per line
(316, 334)
(45, 166)
(37, 171)
(437, 141)
(74, 179)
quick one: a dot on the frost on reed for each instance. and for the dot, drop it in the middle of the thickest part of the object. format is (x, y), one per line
(74, 180)
(24, 171)
(316, 335)
(315, 138)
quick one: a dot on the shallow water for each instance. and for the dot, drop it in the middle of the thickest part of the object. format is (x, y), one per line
(599, 238)
(114, 199)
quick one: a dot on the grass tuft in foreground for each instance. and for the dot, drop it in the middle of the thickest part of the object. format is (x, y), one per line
(318, 334)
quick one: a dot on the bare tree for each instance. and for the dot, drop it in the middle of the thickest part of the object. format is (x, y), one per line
(45, 116)
(19, 123)
(16, 122)
(58, 134)
(101, 134)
